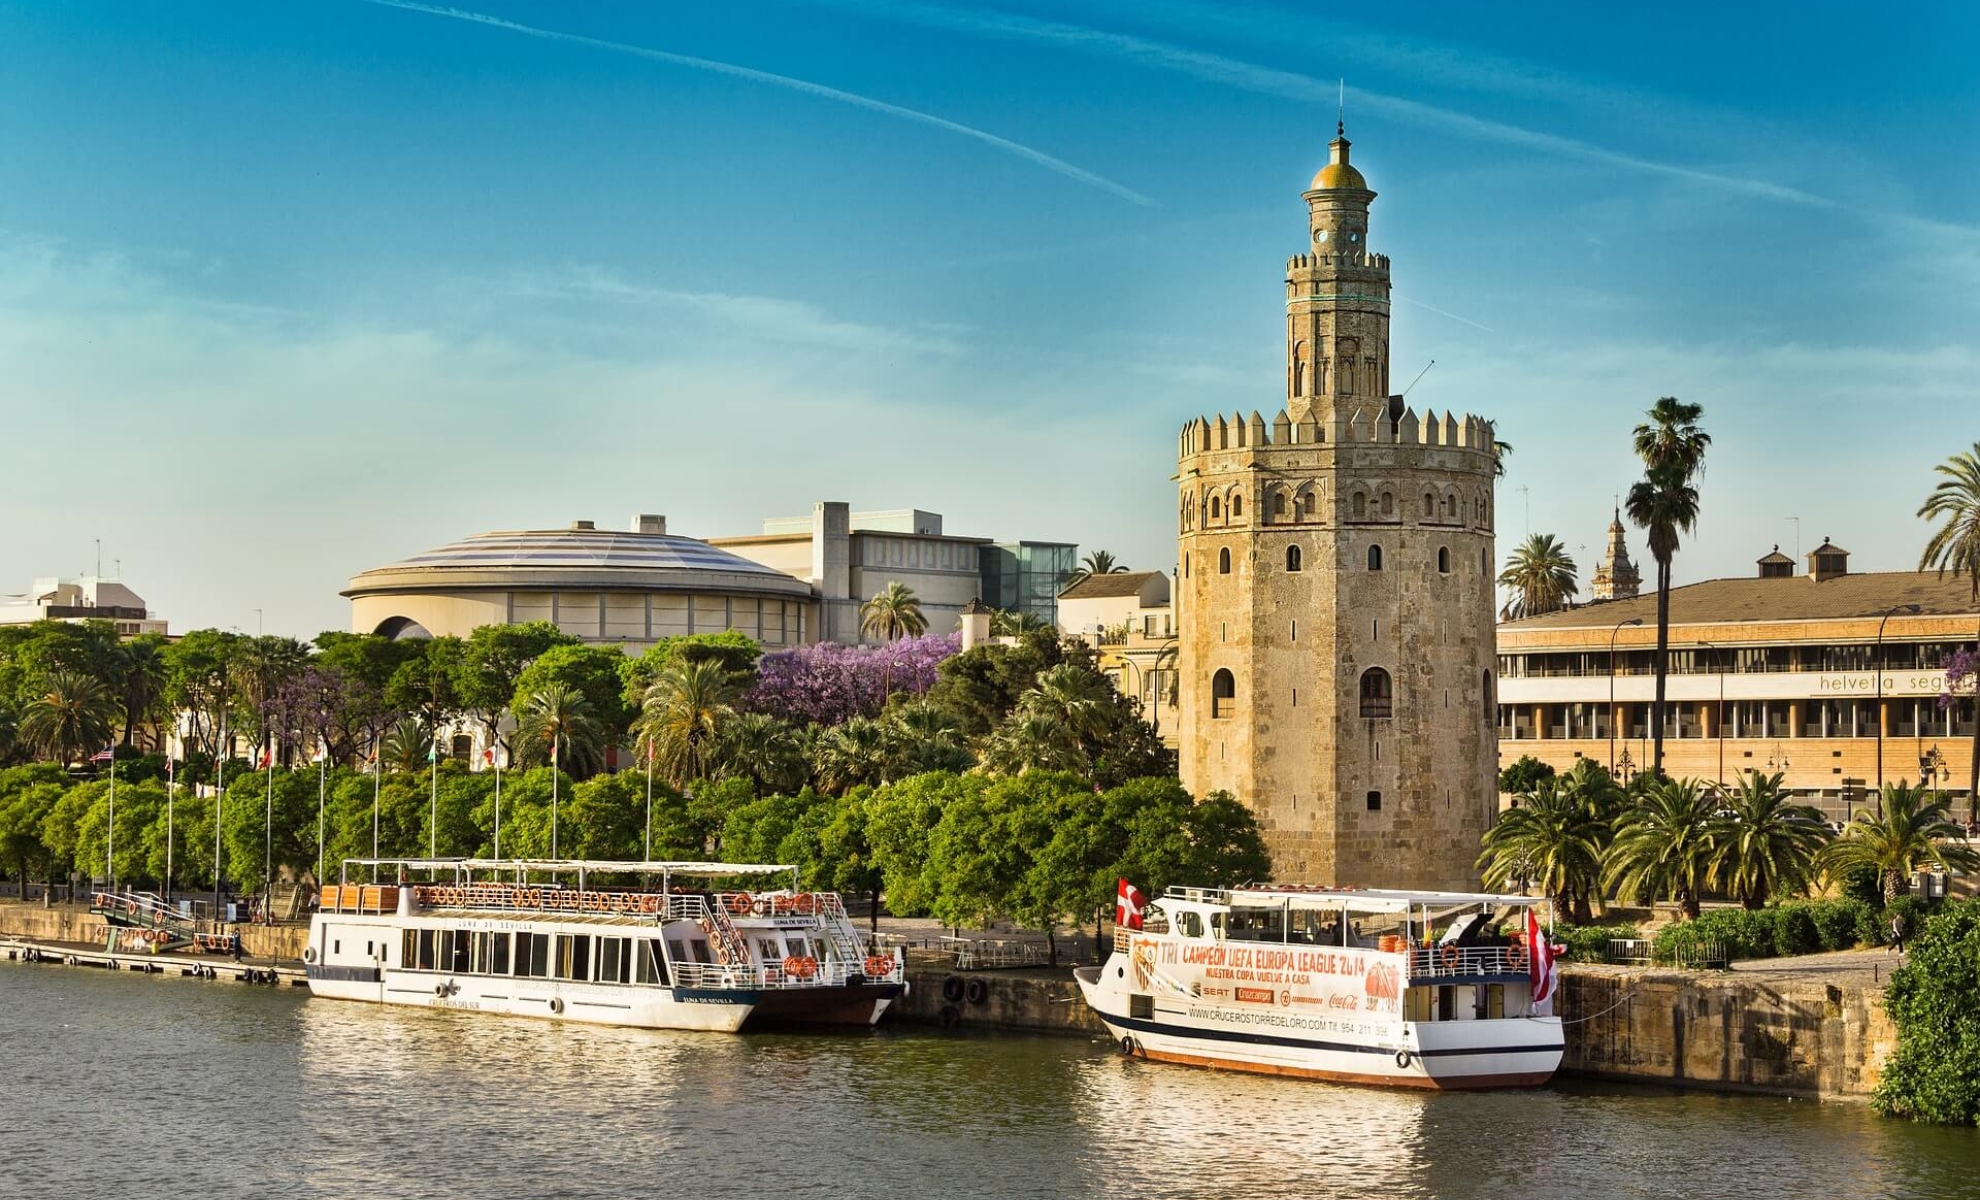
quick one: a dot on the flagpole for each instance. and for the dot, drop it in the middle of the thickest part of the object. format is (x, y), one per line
(493, 762)
(110, 849)
(268, 839)
(377, 769)
(647, 853)
(219, 790)
(433, 814)
(171, 786)
(553, 793)
(322, 785)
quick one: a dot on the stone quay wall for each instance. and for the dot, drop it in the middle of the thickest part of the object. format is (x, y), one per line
(75, 924)
(1748, 1031)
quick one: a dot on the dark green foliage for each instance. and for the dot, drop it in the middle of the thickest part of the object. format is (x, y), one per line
(1934, 1000)
(1590, 943)
(1840, 923)
(1776, 931)
(1795, 931)
(1524, 774)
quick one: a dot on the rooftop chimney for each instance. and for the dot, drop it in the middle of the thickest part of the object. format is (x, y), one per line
(649, 523)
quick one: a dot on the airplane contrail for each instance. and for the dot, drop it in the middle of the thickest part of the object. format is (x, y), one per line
(1058, 166)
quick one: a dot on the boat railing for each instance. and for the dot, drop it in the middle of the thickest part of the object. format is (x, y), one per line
(1453, 962)
(781, 976)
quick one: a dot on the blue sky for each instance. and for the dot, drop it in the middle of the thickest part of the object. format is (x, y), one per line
(292, 290)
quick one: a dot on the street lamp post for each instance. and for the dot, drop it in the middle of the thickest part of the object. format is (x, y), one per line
(1877, 662)
(1612, 688)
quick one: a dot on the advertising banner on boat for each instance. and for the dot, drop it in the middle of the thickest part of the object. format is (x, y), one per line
(1319, 990)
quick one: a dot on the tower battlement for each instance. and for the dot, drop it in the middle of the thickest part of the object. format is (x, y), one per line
(1239, 432)
(1310, 262)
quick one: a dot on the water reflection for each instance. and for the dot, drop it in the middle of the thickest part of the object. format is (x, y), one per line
(261, 1091)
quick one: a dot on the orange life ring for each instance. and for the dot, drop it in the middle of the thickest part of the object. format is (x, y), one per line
(1516, 955)
(804, 904)
(741, 903)
(649, 904)
(877, 965)
(1448, 955)
(800, 968)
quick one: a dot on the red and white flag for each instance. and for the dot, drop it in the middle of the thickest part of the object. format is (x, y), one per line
(1128, 902)
(267, 760)
(1541, 973)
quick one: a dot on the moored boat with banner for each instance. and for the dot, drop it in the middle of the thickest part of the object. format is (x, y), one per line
(711, 946)
(1393, 988)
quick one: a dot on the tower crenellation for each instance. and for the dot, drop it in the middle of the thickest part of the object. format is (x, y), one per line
(1335, 590)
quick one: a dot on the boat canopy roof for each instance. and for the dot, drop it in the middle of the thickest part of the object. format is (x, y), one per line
(1371, 900)
(586, 865)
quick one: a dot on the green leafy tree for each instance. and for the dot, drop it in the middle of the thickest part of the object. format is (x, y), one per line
(1908, 830)
(591, 671)
(1540, 577)
(1934, 1074)
(854, 753)
(736, 652)
(245, 826)
(1524, 774)
(68, 716)
(201, 679)
(1665, 504)
(606, 817)
(982, 685)
(27, 796)
(1664, 847)
(1766, 843)
(407, 746)
(892, 614)
(763, 749)
(901, 819)
(556, 723)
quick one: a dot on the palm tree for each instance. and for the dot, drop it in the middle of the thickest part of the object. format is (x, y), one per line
(556, 724)
(406, 745)
(1955, 547)
(1031, 740)
(144, 675)
(893, 613)
(69, 717)
(1665, 503)
(1766, 843)
(1665, 846)
(851, 754)
(1015, 622)
(682, 716)
(1077, 699)
(1907, 831)
(765, 750)
(1097, 562)
(1540, 575)
(1500, 452)
(1551, 838)
(923, 738)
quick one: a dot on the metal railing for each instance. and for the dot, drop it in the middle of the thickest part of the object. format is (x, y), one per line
(1453, 962)
(775, 976)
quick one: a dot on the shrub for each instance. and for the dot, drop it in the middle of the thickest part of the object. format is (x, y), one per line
(1915, 910)
(1841, 923)
(1523, 775)
(1795, 931)
(1590, 943)
(1934, 1075)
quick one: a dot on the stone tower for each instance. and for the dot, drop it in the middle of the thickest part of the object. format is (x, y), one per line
(1615, 576)
(1335, 592)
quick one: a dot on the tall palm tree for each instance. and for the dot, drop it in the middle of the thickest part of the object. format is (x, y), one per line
(682, 716)
(763, 749)
(1955, 547)
(1076, 699)
(1664, 847)
(1665, 503)
(144, 674)
(1907, 831)
(1766, 843)
(923, 737)
(893, 613)
(68, 717)
(851, 754)
(1540, 574)
(557, 719)
(406, 745)
(1030, 740)
(1096, 562)
(1015, 622)
(1553, 839)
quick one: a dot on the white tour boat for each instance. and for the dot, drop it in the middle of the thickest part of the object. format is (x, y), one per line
(1403, 989)
(695, 951)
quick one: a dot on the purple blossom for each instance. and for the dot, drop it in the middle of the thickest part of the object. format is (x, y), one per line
(1962, 668)
(827, 683)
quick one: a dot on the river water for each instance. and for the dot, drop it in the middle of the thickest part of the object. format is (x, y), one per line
(115, 1085)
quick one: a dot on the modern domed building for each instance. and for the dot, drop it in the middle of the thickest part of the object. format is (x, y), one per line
(610, 587)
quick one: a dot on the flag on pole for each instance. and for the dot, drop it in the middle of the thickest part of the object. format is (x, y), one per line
(433, 753)
(322, 751)
(1543, 976)
(1128, 903)
(267, 761)
(107, 754)
(488, 756)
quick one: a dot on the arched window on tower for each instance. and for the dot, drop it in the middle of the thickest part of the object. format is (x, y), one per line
(1237, 507)
(1443, 560)
(1292, 558)
(1374, 558)
(1299, 369)
(1223, 694)
(1491, 701)
(1278, 506)
(1361, 506)
(1378, 697)
(1224, 561)
(1307, 505)
(1429, 506)
(1216, 508)
(1388, 504)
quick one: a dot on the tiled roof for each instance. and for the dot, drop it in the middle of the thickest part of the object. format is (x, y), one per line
(1103, 587)
(1792, 598)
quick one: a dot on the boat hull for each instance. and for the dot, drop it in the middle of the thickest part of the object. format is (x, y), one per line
(1456, 1055)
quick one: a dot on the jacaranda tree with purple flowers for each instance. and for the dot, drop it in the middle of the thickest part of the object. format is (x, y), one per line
(828, 684)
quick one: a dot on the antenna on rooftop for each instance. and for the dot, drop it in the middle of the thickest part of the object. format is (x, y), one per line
(1419, 376)
(1797, 537)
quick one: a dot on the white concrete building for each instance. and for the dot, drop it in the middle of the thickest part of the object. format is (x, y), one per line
(87, 598)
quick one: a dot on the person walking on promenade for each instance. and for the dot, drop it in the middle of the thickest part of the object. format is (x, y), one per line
(1897, 933)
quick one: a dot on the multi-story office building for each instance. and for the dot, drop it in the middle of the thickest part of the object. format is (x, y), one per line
(1833, 679)
(85, 599)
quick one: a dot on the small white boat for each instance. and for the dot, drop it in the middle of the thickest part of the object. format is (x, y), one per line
(540, 939)
(1394, 988)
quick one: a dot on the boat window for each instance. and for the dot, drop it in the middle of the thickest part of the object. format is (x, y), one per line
(700, 948)
(678, 949)
(461, 961)
(1141, 1008)
(800, 947)
(1218, 922)
(1189, 923)
(425, 959)
(766, 948)
(650, 965)
(611, 960)
(498, 960)
(573, 956)
(480, 966)
(1416, 1004)
(336, 947)
(533, 955)
(409, 948)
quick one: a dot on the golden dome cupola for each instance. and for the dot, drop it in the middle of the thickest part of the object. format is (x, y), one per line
(1339, 174)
